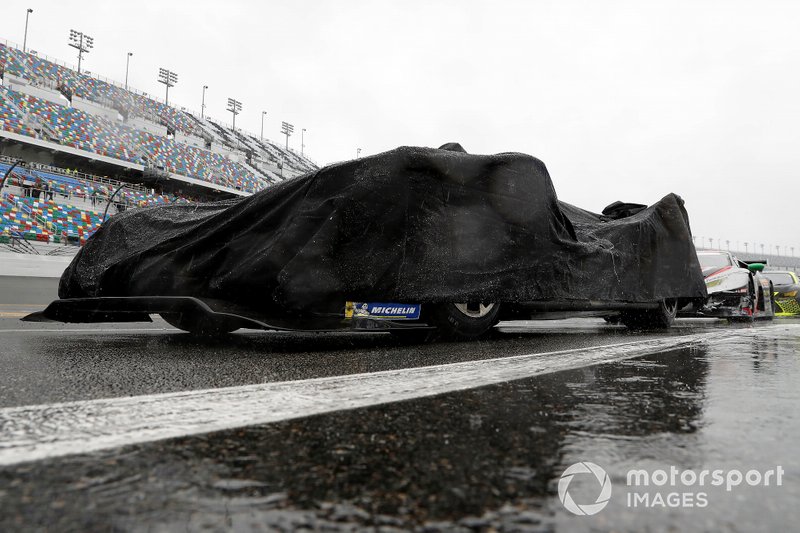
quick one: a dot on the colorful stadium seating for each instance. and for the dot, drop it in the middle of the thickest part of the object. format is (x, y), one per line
(51, 217)
(100, 135)
(10, 117)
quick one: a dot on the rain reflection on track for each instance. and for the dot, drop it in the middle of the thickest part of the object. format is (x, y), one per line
(481, 458)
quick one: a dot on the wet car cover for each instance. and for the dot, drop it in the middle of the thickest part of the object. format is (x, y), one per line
(411, 225)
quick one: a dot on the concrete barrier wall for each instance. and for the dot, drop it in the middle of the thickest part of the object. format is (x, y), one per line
(29, 265)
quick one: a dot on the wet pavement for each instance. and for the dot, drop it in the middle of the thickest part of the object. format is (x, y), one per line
(53, 362)
(485, 458)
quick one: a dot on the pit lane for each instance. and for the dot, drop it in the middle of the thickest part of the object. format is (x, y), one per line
(487, 455)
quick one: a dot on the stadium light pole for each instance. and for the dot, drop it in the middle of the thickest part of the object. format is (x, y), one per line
(792, 249)
(777, 249)
(358, 153)
(745, 247)
(7, 174)
(168, 78)
(235, 107)
(82, 43)
(263, 114)
(25, 39)
(110, 199)
(127, 66)
(287, 130)
(302, 140)
(203, 102)
(762, 248)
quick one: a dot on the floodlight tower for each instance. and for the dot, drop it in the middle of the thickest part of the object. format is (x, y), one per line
(82, 43)
(168, 78)
(302, 140)
(25, 39)
(203, 102)
(235, 107)
(263, 114)
(127, 66)
(358, 153)
(287, 130)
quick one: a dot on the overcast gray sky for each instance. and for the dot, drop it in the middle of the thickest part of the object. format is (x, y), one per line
(621, 100)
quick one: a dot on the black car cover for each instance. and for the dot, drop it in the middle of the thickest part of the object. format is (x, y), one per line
(413, 225)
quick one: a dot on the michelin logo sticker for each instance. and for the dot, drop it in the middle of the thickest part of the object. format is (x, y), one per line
(394, 311)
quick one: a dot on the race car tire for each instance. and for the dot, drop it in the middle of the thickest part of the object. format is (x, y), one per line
(198, 325)
(460, 322)
(651, 319)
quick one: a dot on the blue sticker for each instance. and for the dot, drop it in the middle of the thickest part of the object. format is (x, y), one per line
(387, 310)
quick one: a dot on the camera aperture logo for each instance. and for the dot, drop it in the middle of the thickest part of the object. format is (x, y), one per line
(664, 487)
(604, 486)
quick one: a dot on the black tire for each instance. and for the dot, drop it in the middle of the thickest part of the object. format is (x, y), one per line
(199, 325)
(462, 321)
(651, 319)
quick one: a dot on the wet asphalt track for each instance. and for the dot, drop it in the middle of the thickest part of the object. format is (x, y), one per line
(358, 441)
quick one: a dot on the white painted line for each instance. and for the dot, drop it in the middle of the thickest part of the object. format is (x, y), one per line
(37, 432)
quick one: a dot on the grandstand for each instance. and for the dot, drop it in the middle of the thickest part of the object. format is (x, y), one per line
(83, 137)
(50, 205)
(48, 107)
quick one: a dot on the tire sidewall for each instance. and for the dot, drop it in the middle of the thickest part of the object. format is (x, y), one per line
(451, 323)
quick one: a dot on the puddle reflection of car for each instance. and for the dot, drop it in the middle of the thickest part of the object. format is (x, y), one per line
(737, 290)
(786, 291)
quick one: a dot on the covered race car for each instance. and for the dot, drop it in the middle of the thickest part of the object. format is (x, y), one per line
(786, 286)
(433, 240)
(737, 290)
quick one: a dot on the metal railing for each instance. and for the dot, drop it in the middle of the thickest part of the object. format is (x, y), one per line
(73, 174)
